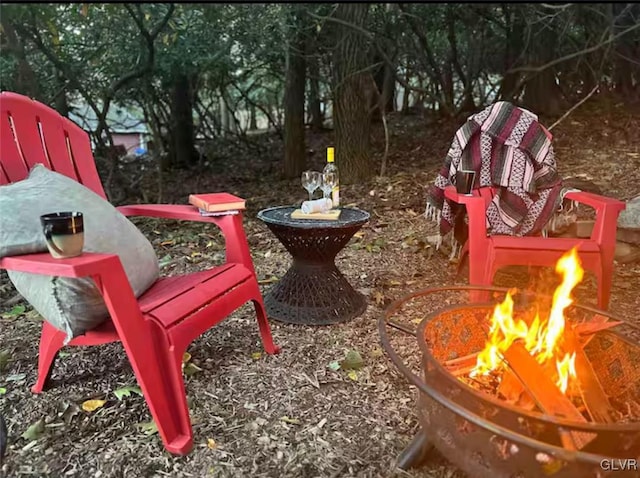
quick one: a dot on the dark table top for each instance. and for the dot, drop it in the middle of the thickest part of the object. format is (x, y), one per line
(281, 215)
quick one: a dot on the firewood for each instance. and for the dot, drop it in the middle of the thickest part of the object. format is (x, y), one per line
(510, 387)
(545, 393)
(596, 324)
(593, 395)
(461, 365)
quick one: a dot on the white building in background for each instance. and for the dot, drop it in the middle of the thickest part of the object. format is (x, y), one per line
(127, 125)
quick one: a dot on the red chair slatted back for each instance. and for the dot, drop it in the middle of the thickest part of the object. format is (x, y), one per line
(32, 133)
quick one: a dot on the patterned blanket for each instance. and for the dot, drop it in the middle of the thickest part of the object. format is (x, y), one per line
(511, 152)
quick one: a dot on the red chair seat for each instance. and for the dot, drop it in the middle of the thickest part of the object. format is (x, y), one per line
(559, 244)
(171, 299)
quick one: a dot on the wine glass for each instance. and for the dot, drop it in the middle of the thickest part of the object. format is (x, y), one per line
(329, 181)
(311, 181)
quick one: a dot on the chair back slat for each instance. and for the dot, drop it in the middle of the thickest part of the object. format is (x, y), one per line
(26, 132)
(12, 163)
(4, 179)
(79, 148)
(33, 133)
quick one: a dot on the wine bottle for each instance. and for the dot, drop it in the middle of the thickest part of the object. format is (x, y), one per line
(331, 167)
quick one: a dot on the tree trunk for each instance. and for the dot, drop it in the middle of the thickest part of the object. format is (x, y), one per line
(542, 94)
(183, 150)
(352, 89)
(315, 109)
(389, 89)
(623, 16)
(60, 101)
(406, 93)
(25, 78)
(224, 114)
(294, 144)
(513, 46)
(253, 122)
(384, 78)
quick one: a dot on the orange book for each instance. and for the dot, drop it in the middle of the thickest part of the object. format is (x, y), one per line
(216, 202)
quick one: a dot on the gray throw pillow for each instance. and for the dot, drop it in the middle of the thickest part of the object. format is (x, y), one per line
(73, 305)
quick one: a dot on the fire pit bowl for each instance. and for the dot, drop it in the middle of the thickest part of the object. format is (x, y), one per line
(488, 437)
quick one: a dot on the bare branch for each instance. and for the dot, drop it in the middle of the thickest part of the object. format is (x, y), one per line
(538, 69)
(403, 81)
(149, 38)
(574, 107)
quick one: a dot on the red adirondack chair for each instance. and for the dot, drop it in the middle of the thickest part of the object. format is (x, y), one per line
(489, 253)
(156, 328)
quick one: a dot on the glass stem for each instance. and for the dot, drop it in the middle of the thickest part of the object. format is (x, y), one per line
(310, 195)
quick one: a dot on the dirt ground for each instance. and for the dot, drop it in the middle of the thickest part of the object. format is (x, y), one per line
(289, 415)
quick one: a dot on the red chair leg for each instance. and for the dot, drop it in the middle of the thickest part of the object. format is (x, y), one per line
(166, 397)
(604, 277)
(51, 341)
(480, 275)
(263, 324)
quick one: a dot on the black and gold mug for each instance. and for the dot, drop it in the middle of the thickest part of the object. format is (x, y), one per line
(64, 232)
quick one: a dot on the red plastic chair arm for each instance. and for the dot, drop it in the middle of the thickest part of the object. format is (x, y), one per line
(166, 211)
(595, 200)
(236, 245)
(476, 207)
(88, 264)
(607, 211)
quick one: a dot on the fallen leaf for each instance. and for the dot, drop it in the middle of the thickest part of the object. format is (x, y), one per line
(16, 377)
(256, 355)
(191, 369)
(186, 357)
(378, 297)
(93, 405)
(270, 280)
(292, 421)
(3, 390)
(352, 361)
(211, 444)
(552, 467)
(5, 357)
(14, 312)
(335, 365)
(165, 261)
(353, 375)
(34, 431)
(70, 410)
(127, 391)
(149, 428)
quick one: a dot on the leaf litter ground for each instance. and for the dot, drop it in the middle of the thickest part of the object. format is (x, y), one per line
(318, 409)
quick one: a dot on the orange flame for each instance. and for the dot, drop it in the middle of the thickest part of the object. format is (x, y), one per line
(542, 339)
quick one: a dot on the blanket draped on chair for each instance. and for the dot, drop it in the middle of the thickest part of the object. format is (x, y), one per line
(511, 152)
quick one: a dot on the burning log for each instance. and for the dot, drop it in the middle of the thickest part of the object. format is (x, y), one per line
(545, 393)
(593, 395)
(585, 332)
(510, 387)
(461, 365)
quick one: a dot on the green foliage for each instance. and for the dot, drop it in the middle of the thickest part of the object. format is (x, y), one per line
(445, 53)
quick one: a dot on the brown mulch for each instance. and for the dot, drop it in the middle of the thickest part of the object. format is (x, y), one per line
(288, 415)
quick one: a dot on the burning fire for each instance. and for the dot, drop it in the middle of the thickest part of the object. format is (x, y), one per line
(542, 339)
